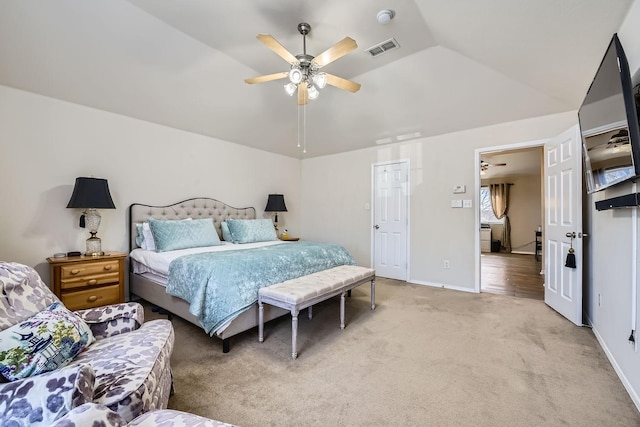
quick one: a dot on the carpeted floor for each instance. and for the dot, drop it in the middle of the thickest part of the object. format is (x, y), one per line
(425, 356)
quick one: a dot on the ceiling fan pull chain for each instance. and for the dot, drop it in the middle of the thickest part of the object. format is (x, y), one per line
(304, 128)
(299, 126)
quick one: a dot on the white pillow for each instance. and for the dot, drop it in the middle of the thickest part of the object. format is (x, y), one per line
(147, 238)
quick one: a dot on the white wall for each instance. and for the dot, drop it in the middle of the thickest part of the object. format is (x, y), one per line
(612, 257)
(336, 188)
(46, 143)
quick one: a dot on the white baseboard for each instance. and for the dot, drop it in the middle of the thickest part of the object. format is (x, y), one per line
(522, 252)
(625, 382)
(440, 285)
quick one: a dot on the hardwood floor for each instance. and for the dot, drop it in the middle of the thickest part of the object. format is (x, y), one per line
(511, 274)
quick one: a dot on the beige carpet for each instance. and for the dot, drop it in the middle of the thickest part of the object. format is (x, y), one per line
(425, 356)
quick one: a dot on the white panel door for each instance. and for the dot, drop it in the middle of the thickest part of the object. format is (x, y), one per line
(390, 220)
(563, 201)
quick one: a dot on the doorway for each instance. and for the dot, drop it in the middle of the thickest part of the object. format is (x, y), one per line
(513, 269)
(390, 233)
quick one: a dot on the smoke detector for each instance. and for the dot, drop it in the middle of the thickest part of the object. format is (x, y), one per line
(385, 15)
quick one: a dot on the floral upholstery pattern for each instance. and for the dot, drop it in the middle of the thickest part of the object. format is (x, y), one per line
(113, 319)
(40, 400)
(171, 418)
(22, 294)
(129, 368)
(126, 369)
(92, 414)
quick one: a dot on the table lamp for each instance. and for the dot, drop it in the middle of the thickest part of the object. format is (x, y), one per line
(275, 203)
(91, 194)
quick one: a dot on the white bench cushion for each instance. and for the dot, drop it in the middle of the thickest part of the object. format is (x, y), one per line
(296, 291)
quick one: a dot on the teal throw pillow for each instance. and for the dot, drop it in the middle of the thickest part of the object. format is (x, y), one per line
(45, 342)
(170, 235)
(226, 234)
(252, 230)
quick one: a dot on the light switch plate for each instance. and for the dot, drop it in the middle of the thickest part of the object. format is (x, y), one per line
(456, 203)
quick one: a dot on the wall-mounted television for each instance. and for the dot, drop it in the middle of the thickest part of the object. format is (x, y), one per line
(608, 120)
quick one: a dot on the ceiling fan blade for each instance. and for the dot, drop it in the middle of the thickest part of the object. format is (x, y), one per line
(343, 84)
(303, 94)
(266, 78)
(275, 46)
(336, 51)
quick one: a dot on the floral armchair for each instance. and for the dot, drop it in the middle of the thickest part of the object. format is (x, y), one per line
(91, 414)
(123, 363)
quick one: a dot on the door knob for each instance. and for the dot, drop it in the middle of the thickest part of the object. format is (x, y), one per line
(571, 235)
(376, 226)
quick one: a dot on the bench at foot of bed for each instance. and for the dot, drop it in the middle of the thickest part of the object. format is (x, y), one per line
(303, 292)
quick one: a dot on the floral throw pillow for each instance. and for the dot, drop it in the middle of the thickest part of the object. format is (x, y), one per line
(46, 341)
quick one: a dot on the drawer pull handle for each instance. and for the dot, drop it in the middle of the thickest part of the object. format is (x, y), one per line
(92, 282)
(75, 271)
(108, 267)
(92, 298)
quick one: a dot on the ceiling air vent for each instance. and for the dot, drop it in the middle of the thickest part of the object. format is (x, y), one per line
(383, 47)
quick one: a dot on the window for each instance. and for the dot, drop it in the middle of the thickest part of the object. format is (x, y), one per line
(486, 211)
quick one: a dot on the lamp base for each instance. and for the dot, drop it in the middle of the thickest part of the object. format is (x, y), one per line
(94, 246)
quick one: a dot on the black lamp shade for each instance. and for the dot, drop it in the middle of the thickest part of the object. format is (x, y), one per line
(91, 193)
(275, 203)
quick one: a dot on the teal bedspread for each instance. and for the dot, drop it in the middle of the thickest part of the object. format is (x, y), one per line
(221, 285)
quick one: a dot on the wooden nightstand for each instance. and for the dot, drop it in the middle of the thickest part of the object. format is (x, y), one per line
(289, 239)
(88, 281)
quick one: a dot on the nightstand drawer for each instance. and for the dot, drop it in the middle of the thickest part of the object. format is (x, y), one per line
(98, 279)
(92, 297)
(89, 269)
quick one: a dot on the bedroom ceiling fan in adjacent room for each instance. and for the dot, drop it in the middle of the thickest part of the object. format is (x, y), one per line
(304, 74)
(484, 166)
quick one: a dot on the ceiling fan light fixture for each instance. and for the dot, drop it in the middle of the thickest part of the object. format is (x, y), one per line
(312, 92)
(290, 88)
(295, 75)
(320, 80)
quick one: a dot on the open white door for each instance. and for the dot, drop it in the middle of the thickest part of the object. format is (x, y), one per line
(390, 219)
(563, 201)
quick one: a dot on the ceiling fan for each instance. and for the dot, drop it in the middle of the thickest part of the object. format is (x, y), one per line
(485, 165)
(304, 75)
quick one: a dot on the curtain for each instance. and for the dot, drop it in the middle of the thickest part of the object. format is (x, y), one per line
(500, 205)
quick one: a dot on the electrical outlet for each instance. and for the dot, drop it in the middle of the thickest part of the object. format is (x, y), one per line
(599, 299)
(445, 264)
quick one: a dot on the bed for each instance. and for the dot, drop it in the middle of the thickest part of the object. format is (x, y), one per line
(164, 278)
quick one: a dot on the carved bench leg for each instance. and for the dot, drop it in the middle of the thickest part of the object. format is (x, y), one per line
(260, 321)
(373, 294)
(294, 334)
(342, 310)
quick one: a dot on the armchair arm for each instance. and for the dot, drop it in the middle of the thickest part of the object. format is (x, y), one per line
(91, 414)
(113, 319)
(40, 400)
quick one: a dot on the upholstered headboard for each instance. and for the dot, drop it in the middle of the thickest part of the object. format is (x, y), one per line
(192, 208)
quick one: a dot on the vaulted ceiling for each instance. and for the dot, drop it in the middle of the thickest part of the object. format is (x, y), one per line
(182, 63)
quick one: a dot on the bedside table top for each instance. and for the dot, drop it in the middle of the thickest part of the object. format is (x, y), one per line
(84, 258)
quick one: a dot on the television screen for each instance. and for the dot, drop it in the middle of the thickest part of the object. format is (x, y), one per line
(609, 123)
